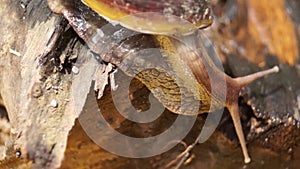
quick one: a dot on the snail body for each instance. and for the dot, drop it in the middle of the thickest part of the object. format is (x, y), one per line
(179, 97)
(194, 85)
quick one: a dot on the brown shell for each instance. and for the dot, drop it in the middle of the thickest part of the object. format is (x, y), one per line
(155, 17)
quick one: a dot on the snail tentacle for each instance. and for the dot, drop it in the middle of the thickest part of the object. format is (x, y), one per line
(245, 80)
(232, 103)
(234, 112)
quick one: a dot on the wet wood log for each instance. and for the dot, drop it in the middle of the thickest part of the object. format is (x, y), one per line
(35, 86)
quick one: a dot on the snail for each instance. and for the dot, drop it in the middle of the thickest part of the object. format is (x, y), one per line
(114, 46)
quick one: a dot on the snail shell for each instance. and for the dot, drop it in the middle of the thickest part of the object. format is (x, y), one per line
(153, 16)
(160, 81)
